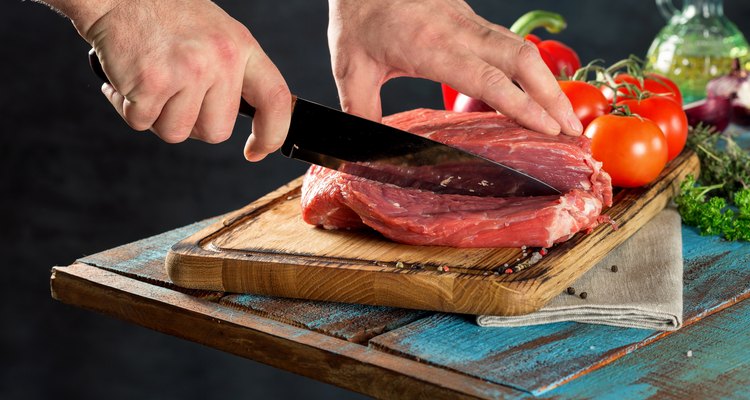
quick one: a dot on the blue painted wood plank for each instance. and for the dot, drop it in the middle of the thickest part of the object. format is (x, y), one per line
(718, 368)
(533, 359)
(352, 322)
(144, 259)
(539, 358)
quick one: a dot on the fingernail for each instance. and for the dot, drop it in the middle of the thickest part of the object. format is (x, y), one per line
(575, 123)
(254, 157)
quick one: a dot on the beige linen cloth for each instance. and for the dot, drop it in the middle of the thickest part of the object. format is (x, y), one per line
(645, 292)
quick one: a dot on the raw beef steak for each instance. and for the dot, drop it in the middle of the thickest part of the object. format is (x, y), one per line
(335, 200)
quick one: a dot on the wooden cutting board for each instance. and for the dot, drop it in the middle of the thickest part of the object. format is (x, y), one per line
(266, 248)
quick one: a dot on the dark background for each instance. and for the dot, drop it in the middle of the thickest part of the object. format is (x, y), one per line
(75, 180)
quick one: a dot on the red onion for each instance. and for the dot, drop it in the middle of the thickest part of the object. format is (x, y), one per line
(465, 103)
(714, 111)
(741, 105)
(728, 97)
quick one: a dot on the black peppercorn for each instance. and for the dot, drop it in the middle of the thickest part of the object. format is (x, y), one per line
(614, 268)
(571, 290)
(584, 295)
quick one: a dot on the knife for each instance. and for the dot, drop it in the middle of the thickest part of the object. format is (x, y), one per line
(334, 139)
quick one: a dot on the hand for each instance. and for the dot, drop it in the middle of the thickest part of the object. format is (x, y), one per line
(444, 41)
(179, 67)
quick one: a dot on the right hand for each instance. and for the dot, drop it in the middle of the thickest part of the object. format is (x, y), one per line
(444, 41)
(179, 68)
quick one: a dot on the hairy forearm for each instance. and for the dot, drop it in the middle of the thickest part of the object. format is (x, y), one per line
(83, 13)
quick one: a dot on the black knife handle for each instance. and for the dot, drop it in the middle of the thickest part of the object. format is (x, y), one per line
(246, 110)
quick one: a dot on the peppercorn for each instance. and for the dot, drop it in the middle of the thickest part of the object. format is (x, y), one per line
(571, 291)
(584, 295)
(614, 268)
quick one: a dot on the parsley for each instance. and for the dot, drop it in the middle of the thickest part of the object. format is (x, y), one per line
(725, 173)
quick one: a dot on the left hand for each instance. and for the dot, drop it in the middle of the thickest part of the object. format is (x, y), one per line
(444, 41)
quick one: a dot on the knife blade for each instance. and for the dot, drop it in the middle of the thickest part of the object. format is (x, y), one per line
(334, 139)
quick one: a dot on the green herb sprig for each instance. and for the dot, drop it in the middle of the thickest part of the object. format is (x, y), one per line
(725, 173)
(713, 215)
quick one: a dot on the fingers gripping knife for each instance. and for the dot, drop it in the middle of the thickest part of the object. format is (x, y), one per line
(337, 140)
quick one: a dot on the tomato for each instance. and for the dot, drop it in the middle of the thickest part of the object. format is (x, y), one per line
(449, 96)
(633, 150)
(587, 100)
(668, 115)
(654, 83)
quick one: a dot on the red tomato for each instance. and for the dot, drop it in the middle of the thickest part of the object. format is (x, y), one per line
(633, 150)
(668, 115)
(653, 83)
(587, 100)
(449, 96)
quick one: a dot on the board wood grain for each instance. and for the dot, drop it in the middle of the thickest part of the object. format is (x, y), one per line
(144, 260)
(540, 358)
(265, 248)
(329, 359)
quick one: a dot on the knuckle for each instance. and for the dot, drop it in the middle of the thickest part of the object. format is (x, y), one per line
(140, 116)
(197, 66)
(527, 53)
(137, 125)
(216, 137)
(462, 21)
(431, 37)
(243, 33)
(278, 96)
(490, 79)
(153, 80)
(173, 135)
(191, 61)
(227, 50)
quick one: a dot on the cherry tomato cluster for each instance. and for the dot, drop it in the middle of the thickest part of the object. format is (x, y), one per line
(647, 130)
(635, 122)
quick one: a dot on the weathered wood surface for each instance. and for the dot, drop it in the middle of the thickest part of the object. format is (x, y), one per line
(539, 358)
(265, 248)
(353, 322)
(716, 276)
(144, 259)
(718, 369)
(349, 365)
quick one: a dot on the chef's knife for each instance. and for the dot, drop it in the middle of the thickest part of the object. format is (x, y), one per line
(337, 140)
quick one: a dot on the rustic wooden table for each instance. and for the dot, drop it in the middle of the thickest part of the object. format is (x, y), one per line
(396, 353)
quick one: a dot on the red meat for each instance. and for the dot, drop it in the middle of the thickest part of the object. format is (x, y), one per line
(335, 200)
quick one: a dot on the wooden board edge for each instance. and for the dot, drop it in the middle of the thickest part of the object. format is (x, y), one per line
(192, 263)
(317, 356)
(204, 269)
(188, 257)
(687, 163)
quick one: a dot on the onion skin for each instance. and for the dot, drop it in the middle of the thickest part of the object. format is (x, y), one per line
(741, 105)
(465, 103)
(716, 111)
(731, 90)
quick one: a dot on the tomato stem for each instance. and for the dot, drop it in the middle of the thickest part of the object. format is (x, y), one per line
(583, 72)
(552, 22)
